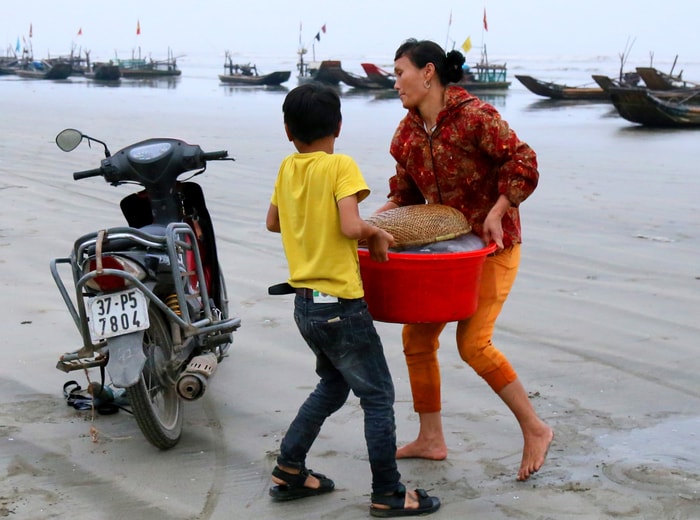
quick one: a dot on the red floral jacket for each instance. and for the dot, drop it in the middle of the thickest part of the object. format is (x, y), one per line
(471, 158)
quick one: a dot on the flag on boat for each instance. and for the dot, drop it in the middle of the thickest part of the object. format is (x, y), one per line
(30, 30)
(318, 34)
(80, 31)
(138, 27)
(486, 25)
(467, 45)
(17, 46)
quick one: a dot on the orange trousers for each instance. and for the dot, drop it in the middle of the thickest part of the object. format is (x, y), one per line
(421, 340)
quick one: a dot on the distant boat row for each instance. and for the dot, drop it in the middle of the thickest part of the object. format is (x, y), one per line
(482, 76)
(114, 70)
(663, 100)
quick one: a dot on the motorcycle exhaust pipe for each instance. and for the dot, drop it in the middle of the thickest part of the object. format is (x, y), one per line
(193, 381)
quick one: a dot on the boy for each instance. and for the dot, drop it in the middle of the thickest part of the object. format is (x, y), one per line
(315, 208)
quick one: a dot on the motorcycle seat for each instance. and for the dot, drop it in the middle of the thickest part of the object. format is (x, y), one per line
(126, 243)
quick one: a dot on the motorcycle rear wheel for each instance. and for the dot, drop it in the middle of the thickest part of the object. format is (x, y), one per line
(157, 407)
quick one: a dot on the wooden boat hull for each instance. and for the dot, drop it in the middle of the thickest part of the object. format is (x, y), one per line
(477, 86)
(104, 72)
(140, 68)
(272, 79)
(654, 79)
(146, 73)
(56, 71)
(640, 105)
(8, 65)
(378, 76)
(329, 72)
(628, 79)
(560, 91)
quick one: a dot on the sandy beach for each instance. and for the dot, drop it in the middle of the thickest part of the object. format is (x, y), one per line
(602, 324)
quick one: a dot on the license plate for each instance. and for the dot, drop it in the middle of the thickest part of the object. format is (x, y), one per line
(117, 313)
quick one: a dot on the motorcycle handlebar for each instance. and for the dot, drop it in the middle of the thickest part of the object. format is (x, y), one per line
(95, 172)
(213, 156)
(101, 172)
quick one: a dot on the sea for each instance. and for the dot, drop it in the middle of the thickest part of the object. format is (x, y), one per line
(247, 120)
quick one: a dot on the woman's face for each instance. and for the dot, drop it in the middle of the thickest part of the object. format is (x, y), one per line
(410, 82)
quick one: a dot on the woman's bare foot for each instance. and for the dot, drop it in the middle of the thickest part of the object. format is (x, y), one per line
(422, 449)
(535, 450)
(430, 442)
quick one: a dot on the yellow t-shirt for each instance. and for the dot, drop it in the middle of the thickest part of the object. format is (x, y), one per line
(307, 190)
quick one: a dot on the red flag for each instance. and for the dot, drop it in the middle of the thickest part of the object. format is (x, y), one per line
(138, 27)
(80, 31)
(30, 30)
(486, 25)
(324, 28)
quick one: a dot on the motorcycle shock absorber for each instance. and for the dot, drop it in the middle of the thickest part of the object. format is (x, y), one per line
(172, 302)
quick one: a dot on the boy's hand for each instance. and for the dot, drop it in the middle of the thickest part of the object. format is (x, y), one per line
(378, 244)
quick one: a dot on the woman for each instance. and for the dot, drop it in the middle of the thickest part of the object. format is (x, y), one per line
(453, 149)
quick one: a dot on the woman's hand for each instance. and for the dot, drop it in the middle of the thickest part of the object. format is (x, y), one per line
(493, 224)
(493, 230)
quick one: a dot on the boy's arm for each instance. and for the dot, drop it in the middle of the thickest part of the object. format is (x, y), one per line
(353, 226)
(273, 219)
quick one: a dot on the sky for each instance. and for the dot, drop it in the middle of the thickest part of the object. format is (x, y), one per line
(357, 29)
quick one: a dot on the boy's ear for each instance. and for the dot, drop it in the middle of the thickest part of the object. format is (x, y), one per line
(289, 135)
(337, 132)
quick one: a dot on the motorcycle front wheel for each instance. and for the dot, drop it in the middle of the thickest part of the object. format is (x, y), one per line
(154, 401)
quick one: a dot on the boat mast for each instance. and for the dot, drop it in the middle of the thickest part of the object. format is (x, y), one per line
(447, 36)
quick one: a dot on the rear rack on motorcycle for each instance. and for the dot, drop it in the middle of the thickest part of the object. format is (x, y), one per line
(177, 239)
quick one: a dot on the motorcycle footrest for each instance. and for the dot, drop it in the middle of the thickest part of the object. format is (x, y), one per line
(219, 339)
(80, 364)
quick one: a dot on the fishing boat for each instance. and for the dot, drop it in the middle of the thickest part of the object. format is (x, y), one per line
(247, 74)
(643, 106)
(658, 80)
(375, 80)
(8, 64)
(553, 90)
(485, 76)
(628, 79)
(103, 71)
(329, 72)
(138, 67)
(43, 69)
(379, 75)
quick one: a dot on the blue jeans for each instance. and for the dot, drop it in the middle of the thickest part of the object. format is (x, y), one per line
(349, 356)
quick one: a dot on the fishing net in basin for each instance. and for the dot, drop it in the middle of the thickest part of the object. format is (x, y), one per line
(421, 224)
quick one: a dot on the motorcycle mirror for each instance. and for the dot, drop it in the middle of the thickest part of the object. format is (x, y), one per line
(69, 139)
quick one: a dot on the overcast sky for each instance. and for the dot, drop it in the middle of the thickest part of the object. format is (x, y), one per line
(357, 29)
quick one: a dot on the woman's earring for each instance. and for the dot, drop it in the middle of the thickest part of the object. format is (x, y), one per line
(426, 83)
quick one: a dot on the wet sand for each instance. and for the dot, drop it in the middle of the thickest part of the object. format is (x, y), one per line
(602, 324)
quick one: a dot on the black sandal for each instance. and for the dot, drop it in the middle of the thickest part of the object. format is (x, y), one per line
(396, 504)
(103, 402)
(294, 487)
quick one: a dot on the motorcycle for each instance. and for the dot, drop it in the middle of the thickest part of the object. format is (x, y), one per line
(149, 298)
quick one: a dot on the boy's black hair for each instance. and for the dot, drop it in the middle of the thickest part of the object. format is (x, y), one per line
(311, 112)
